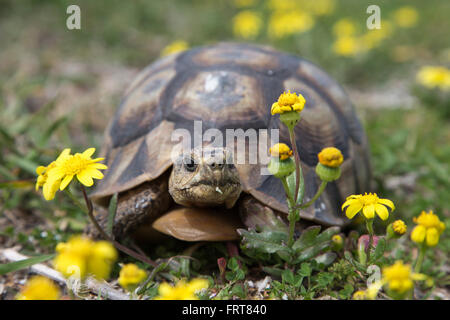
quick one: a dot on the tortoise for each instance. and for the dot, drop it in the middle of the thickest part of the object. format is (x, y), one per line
(194, 195)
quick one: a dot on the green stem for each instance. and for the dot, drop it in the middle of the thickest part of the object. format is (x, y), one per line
(292, 212)
(369, 225)
(297, 163)
(421, 257)
(75, 199)
(316, 196)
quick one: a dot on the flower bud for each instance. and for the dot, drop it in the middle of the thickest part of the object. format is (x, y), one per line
(290, 119)
(363, 241)
(281, 168)
(327, 174)
(281, 164)
(337, 242)
(396, 229)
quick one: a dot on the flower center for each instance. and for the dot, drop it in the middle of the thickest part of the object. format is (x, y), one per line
(287, 99)
(75, 165)
(368, 199)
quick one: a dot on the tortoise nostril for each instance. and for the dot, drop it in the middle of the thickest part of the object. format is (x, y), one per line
(216, 165)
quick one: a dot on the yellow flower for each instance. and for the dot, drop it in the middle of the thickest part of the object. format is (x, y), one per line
(246, 24)
(337, 242)
(80, 164)
(434, 77)
(369, 204)
(406, 17)
(49, 185)
(399, 277)
(359, 295)
(286, 23)
(39, 288)
(130, 276)
(331, 157)
(337, 239)
(344, 27)
(399, 227)
(429, 228)
(288, 102)
(280, 150)
(43, 174)
(81, 256)
(101, 259)
(175, 47)
(347, 46)
(372, 291)
(182, 290)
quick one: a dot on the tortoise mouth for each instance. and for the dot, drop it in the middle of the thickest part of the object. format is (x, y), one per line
(210, 193)
(207, 195)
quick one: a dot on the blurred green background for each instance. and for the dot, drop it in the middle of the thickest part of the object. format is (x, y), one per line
(60, 87)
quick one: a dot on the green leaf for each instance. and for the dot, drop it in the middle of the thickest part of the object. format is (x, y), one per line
(273, 271)
(112, 209)
(346, 293)
(327, 234)
(238, 290)
(379, 250)
(17, 184)
(288, 276)
(324, 279)
(326, 259)
(307, 238)
(311, 252)
(233, 264)
(291, 184)
(266, 241)
(305, 269)
(23, 163)
(22, 264)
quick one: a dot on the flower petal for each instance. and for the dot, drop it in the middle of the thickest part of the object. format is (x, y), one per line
(65, 182)
(432, 237)
(353, 210)
(88, 153)
(64, 154)
(49, 189)
(387, 202)
(418, 234)
(98, 166)
(40, 170)
(347, 203)
(369, 211)
(94, 173)
(85, 178)
(382, 212)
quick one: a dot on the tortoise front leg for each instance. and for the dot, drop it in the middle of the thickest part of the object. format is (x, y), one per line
(135, 208)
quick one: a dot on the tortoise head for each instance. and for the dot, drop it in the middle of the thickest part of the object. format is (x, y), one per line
(205, 177)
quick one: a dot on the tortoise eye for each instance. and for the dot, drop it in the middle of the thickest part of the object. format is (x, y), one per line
(189, 164)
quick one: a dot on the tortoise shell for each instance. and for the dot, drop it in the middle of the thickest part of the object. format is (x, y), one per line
(232, 86)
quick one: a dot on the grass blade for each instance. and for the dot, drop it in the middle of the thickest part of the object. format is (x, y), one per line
(22, 264)
(112, 209)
